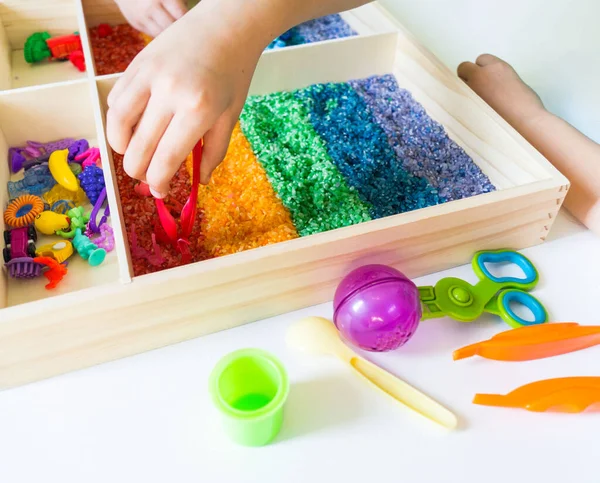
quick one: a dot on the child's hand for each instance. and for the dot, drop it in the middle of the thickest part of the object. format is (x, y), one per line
(152, 16)
(189, 83)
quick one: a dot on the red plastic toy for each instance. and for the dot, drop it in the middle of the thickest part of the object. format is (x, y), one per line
(55, 273)
(77, 59)
(62, 47)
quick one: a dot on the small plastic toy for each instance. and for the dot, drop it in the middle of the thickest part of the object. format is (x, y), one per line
(20, 243)
(566, 394)
(92, 225)
(249, 387)
(90, 157)
(62, 206)
(105, 239)
(44, 159)
(62, 47)
(464, 302)
(36, 182)
(35, 153)
(36, 49)
(534, 342)
(49, 222)
(41, 46)
(188, 213)
(59, 251)
(318, 335)
(75, 168)
(16, 159)
(23, 268)
(92, 182)
(55, 273)
(78, 60)
(378, 309)
(155, 259)
(58, 193)
(88, 250)
(79, 219)
(31, 163)
(38, 149)
(77, 149)
(59, 168)
(23, 210)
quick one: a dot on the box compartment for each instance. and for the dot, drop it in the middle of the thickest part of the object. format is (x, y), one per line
(114, 320)
(21, 18)
(48, 114)
(366, 20)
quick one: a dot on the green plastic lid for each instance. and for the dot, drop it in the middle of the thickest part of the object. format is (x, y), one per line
(249, 387)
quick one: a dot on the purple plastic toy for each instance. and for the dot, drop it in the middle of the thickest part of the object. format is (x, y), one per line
(33, 151)
(24, 268)
(20, 243)
(92, 182)
(376, 308)
(77, 148)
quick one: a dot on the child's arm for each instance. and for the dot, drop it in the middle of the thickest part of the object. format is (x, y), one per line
(152, 16)
(572, 153)
(192, 81)
(577, 157)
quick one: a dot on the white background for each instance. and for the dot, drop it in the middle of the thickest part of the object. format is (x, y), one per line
(148, 418)
(553, 44)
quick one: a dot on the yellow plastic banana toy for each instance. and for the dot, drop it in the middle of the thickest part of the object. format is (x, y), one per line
(60, 170)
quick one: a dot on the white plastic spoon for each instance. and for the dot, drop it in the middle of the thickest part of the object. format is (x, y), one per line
(318, 335)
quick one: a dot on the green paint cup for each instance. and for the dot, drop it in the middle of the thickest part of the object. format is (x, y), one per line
(250, 387)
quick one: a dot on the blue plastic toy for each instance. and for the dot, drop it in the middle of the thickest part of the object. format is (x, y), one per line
(37, 181)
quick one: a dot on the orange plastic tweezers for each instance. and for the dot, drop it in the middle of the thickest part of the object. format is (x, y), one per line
(534, 342)
(566, 394)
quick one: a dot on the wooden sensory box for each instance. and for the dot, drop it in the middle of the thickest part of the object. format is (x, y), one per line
(104, 314)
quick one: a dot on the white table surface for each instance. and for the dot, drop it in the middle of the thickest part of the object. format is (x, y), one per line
(148, 418)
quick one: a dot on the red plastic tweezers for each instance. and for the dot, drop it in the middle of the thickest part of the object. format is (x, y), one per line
(188, 213)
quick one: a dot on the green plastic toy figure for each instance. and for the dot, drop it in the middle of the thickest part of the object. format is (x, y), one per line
(36, 49)
(79, 219)
(88, 250)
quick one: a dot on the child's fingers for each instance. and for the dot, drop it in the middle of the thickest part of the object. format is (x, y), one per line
(162, 17)
(152, 28)
(145, 139)
(179, 139)
(466, 70)
(122, 83)
(216, 142)
(122, 117)
(176, 8)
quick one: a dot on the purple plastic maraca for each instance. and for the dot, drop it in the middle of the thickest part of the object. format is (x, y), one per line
(376, 308)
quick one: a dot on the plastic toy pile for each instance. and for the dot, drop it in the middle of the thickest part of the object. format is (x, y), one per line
(41, 46)
(57, 180)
